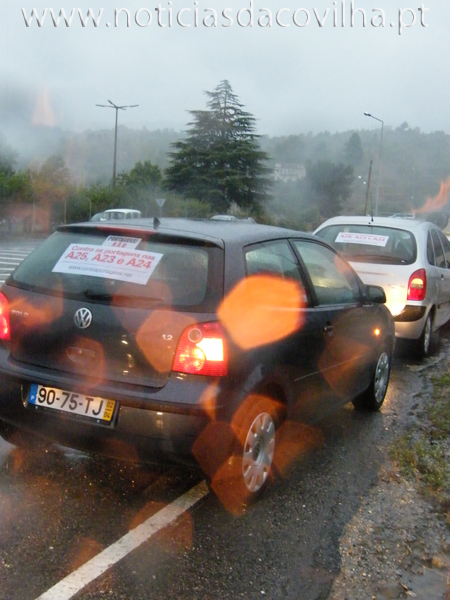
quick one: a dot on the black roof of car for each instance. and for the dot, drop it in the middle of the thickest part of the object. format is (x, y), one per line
(217, 232)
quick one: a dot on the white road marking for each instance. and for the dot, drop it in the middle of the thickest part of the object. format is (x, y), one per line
(76, 581)
(11, 259)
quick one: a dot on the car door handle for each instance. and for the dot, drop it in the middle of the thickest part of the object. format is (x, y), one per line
(328, 329)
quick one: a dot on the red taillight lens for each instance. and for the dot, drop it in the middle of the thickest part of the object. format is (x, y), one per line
(5, 330)
(417, 285)
(202, 351)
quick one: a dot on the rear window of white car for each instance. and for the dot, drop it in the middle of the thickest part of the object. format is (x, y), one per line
(373, 244)
(124, 270)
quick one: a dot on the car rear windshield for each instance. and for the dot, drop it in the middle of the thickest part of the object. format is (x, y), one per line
(373, 244)
(125, 269)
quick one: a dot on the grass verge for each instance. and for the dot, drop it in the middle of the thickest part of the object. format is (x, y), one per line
(423, 453)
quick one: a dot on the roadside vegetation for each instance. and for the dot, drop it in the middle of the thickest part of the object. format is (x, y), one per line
(423, 453)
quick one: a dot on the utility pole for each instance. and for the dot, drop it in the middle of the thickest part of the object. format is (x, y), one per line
(368, 190)
(117, 108)
(366, 114)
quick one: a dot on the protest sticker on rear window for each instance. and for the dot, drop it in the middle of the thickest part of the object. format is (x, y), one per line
(134, 266)
(119, 241)
(368, 239)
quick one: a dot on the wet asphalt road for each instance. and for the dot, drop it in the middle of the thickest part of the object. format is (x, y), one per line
(59, 509)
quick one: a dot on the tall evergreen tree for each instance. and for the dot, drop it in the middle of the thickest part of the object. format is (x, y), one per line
(220, 161)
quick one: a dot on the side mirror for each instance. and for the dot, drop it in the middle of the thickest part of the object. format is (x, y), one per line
(375, 294)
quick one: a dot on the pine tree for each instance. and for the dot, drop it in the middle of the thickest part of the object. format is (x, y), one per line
(220, 161)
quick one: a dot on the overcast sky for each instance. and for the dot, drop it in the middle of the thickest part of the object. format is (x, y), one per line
(294, 78)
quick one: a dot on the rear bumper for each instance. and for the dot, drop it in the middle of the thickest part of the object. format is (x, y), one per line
(150, 425)
(138, 434)
(410, 322)
(411, 314)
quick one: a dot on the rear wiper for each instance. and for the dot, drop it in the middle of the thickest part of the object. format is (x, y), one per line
(376, 258)
(93, 296)
(121, 297)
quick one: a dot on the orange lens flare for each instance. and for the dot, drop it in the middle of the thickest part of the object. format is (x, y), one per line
(262, 309)
(158, 336)
(223, 463)
(439, 201)
(43, 112)
(35, 314)
(340, 364)
(294, 440)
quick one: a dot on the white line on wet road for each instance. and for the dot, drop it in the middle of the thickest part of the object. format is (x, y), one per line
(76, 581)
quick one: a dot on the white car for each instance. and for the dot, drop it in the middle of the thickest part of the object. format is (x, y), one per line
(117, 213)
(409, 259)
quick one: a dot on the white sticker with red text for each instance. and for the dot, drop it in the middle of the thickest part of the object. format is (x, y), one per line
(134, 266)
(369, 239)
(119, 241)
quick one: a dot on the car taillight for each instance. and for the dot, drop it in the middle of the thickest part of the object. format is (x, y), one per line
(202, 351)
(417, 285)
(5, 330)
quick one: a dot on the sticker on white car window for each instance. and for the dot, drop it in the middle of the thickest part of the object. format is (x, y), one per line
(368, 239)
(134, 266)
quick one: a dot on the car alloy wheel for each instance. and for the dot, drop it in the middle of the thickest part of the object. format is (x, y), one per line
(240, 474)
(373, 398)
(381, 377)
(258, 452)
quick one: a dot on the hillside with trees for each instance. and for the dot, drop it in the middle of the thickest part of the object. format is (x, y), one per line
(413, 166)
(220, 163)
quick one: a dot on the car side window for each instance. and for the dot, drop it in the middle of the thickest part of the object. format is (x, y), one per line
(272, 258)
(333, 280)
(430, 251)
(438, 250)
(446, 246)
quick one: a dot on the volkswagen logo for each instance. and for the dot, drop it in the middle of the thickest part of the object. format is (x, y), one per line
(82, 318)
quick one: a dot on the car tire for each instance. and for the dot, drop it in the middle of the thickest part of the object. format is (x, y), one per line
(246, 473)
(23, 439)
(424, 344)
(373, 398)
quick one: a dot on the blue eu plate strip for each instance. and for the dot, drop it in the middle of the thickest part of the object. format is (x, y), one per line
(33, 393)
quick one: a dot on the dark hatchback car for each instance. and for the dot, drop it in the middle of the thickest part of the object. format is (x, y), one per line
(198, 341)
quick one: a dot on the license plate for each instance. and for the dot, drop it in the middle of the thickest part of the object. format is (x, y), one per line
(92, 407)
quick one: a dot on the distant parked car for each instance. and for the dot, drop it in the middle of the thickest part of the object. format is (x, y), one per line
(117, 214)
(187, 340)
(98, 217)
(409, 258)
(232, 218)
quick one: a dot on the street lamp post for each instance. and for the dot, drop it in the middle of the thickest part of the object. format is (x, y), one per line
(117, 108)
(379, 160)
